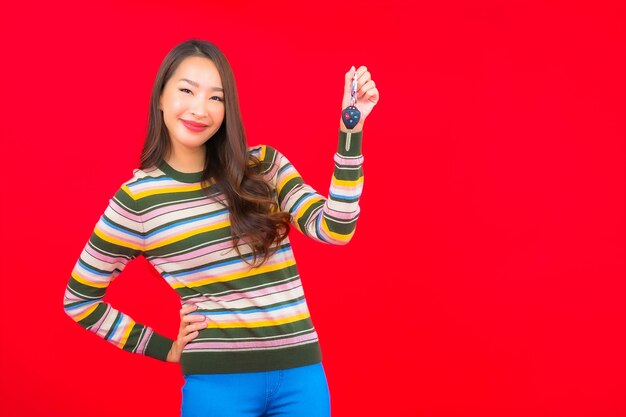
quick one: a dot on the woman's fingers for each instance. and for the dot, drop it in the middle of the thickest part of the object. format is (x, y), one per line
(187, 308)
(190, 332)
(191, 318)
(370, 84)
(363, 80)
(190, 337)
(190, 324)
(196, 326)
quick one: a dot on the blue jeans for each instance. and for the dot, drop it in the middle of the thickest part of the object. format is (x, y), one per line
(295, 392)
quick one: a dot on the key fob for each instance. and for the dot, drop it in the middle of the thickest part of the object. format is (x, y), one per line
(351, 116)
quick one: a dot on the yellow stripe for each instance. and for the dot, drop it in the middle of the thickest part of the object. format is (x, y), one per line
(86, 313)
(125, 336)
(183, 189)
(334, 235)
(286, 179)
(347, 183)
(115, 241)
(127, 190)
(263, 323)
(85, 281)
(303, 208)
(182, 236)
(225, 278)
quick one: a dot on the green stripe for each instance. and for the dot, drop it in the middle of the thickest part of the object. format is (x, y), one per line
(356, 140)
(133, 337)
(237, 310)
(340, 228)
(256, 332)
(83, 290)
(249, 361)
(189, 219)
(186, 293)
(95, 315)
(199, 239)
(247, 282)
(288, 186)
(309, 211)
(158, 201)
(114, 249)
(348, 175)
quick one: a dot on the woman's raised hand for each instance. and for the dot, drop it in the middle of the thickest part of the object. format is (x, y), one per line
(189, 326)
(367, 94)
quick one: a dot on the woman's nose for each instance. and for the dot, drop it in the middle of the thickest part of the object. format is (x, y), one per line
(200, 107)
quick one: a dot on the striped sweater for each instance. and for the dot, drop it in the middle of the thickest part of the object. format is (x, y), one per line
(258, 318)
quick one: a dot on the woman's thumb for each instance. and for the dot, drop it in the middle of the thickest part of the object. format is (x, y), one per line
(348, 79)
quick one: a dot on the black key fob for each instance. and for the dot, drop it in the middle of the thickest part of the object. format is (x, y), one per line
(350, 116)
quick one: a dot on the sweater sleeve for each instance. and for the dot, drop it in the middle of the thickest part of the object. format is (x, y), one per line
(117, 239)
(329, 219)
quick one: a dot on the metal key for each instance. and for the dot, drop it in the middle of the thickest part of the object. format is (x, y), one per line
(351, 115)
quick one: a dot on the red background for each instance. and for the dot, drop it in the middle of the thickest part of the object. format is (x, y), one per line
(487, 274)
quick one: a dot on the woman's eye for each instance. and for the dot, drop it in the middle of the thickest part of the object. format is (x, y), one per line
(217, 98)
(185, 90)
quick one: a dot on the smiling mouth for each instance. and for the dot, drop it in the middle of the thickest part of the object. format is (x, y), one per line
(193, 126)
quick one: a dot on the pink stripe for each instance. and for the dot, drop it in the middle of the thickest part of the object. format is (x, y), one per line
(246, 294)
(144, 341)
(89, 276)
(339, 214)
(327, 237)
(116, 234)
(315, 198)
(194, 254)
(245, 318)
(348, 161)
(125, 213)
(70, 299)
(272, 172)
(155, 185)
(256, 344)
(97, 325)
(294, 190)
(228, 270)
(119, 332)
(186, 227)
(104, 258)
(177, 207)
(163, 210)
(354, 189)
(262, 292)
(75, 312)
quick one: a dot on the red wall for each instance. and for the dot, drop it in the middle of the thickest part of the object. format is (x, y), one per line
(487, 274)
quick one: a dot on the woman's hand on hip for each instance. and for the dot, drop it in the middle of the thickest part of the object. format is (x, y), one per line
(190, 324)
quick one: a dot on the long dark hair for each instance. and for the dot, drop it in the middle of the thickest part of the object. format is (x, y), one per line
(255, 215)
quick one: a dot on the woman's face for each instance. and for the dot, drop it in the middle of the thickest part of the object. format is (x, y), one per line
(192, 102)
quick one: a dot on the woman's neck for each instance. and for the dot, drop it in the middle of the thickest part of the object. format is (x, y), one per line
(186, 162)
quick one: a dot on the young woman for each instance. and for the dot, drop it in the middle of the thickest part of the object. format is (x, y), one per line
(212, 215)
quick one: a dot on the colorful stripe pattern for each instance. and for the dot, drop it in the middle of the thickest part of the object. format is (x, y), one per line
(258, 318)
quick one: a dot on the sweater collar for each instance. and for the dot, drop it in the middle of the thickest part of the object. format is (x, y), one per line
(188, 177)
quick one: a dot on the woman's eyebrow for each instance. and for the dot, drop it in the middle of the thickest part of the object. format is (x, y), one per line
(195, 84)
